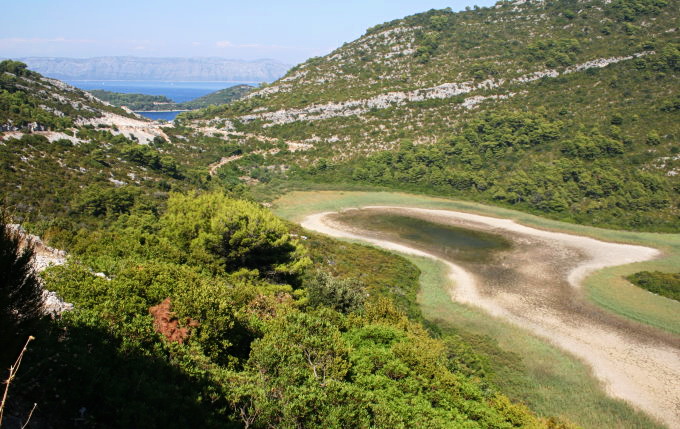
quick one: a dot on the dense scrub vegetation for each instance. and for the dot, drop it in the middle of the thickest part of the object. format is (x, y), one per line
(197, 308)
(664, 284)
(238, 344)
(525, 160)
(533, 161)
(101, 174)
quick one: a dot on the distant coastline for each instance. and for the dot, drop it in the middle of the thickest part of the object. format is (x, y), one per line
(161, 111)
(176, 91)
(254, 82)
(163, 115)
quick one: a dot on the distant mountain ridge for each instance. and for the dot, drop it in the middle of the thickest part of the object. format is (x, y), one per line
(141, 68)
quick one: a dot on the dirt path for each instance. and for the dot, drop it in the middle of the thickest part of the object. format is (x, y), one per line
(225, 160)
(536, 285)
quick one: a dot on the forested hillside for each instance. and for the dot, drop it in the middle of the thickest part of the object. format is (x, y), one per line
(215, 308)
(472, 91)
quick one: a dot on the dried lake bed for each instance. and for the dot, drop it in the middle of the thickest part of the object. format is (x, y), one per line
(532, 278)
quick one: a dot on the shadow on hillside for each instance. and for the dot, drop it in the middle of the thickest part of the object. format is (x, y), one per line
(87, 378)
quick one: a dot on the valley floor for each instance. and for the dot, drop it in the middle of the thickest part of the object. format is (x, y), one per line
(537, 286)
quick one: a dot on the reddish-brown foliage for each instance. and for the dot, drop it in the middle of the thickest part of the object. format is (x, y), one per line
(166, 323)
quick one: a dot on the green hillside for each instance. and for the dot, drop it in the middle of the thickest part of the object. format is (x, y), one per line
(223, 96)
(31, 101)
(65, 155)
(188, 296)
(603, 76)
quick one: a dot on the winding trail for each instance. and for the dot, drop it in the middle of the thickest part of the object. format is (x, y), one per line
(223, 161)
(537, 285)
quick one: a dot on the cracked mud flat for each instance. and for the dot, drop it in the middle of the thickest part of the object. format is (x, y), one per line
(536, 285)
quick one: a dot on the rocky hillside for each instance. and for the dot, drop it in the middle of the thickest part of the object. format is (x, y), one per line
(177, 69)
(602, 75)
(32, 102)
(63, 151)
(420, 75)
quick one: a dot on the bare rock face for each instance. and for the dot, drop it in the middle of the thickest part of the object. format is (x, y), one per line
(44, 257)
(8, 127)
(53, 305)
(34, 126)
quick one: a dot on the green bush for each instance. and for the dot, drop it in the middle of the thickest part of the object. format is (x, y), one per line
(664, 284)
(230, 234)
(343, 295)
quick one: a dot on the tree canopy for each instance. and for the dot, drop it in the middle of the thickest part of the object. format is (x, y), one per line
(230, 234)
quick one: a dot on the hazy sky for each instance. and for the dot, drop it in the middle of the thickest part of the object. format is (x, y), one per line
(289, 31)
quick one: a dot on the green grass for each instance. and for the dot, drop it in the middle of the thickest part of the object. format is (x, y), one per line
(525, 367)
(608, 287)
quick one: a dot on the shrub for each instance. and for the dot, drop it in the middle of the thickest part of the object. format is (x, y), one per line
(224, 233)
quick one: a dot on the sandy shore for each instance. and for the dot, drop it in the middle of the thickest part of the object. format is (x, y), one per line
(536, 285)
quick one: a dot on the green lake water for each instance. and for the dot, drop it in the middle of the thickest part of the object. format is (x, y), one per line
(445, 240)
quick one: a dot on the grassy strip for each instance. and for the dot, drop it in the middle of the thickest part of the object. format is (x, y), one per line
(608, 287)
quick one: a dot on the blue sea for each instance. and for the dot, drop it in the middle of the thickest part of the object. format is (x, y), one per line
(166, 116)
(176, 91)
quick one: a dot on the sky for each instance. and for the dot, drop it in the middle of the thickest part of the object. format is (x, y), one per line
(289, 31)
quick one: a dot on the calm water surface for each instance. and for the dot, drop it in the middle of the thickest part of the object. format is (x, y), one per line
(166, 116)
(176, 91)
(450, 241)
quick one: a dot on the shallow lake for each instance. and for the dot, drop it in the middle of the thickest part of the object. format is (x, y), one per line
(446, 240)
